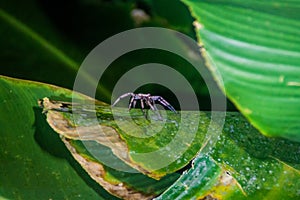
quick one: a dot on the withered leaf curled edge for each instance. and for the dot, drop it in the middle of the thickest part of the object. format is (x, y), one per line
(109, 137)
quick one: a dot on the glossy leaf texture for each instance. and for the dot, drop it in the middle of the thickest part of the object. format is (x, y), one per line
(151, 147)
(253, 50)
(36, 164)
(243, 165)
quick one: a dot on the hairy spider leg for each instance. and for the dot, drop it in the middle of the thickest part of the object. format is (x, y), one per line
(152, 105)
(134, 103)
(122, 96)
(146, 99)
(164, 103)
(142, 107)
(132, 100)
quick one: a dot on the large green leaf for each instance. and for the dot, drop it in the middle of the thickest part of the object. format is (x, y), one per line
(35, 164)
(205, 180)
(243, 165)
(142, 145)
(254, 47)
(243, 162)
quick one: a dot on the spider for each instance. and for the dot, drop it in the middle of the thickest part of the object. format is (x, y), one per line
(145, 99)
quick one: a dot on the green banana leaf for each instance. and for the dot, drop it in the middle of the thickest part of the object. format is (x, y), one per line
(149, 147)
(36, 164)
(242, 164)
(253, 50)
(39, 163)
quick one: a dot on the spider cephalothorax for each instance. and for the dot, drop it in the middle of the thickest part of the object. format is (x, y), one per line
(145, 99)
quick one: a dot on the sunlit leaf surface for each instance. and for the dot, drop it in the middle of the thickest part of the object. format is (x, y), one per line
(36, 164)
(254, 47)
(242, 164)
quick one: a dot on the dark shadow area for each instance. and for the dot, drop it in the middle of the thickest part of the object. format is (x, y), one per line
(87, 23)
(140, 57)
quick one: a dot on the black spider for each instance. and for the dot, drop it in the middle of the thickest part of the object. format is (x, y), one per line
(145, 99)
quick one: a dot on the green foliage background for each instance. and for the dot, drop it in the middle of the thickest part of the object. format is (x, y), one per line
(47, 40)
